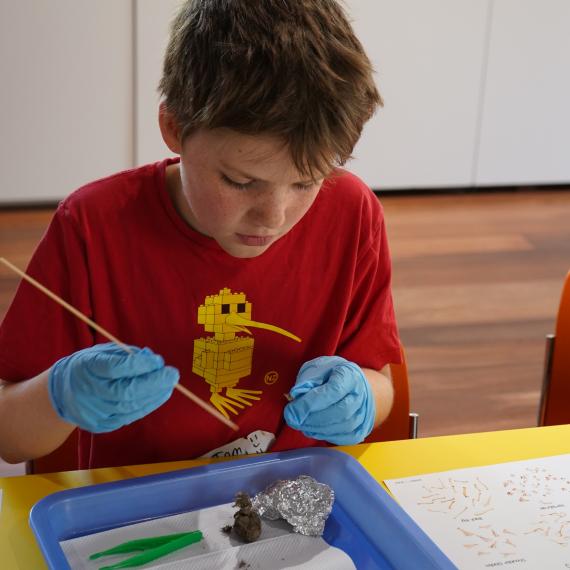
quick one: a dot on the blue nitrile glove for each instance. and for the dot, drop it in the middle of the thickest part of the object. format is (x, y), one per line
(333, 401)
(103, 387)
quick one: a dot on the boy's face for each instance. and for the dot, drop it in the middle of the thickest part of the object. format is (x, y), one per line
(243, 191)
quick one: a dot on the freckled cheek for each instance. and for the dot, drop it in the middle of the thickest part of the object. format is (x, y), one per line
(223, 211)
(300, 208)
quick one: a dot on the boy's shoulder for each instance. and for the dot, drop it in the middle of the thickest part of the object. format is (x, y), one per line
(116, 190)
(345, 191)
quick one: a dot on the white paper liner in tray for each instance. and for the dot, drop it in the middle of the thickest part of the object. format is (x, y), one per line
(277, 548)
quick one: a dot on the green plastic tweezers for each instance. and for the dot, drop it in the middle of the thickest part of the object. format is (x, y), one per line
(153, 548)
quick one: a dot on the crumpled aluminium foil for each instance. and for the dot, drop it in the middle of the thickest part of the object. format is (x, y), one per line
(303, 502)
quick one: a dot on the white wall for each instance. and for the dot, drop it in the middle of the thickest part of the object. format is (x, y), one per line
(476, 92)
(525, 131)
(152, 24)
(429, 57)
(66, 100)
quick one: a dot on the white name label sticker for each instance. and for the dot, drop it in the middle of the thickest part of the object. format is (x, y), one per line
(258, 441)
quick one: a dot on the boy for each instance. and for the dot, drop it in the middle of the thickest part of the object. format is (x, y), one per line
(252, 265)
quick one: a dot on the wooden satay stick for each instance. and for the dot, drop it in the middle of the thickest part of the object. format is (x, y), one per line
(190, 395)
(65, 304)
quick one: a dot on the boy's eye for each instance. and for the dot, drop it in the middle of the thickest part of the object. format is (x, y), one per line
(305, 186)
(234, 184)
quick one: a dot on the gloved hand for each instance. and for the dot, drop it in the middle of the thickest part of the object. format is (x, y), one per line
(102, 388)
(333, 401)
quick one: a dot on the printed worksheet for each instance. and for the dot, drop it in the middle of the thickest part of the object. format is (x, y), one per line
(509, 515)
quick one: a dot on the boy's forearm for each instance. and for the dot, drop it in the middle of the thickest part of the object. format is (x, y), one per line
(29, 426)
(383, 391)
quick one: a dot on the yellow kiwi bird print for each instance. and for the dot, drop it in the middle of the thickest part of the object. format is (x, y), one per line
(226, 357)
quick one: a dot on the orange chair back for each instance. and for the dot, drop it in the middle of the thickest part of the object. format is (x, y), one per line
(557, 396)
(397, 424)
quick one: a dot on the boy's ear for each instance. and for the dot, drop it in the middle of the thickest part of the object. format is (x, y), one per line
(170, 129)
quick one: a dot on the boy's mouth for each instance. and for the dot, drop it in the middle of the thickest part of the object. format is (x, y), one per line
(255, 240)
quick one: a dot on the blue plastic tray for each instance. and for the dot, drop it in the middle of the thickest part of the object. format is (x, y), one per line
(365, 521)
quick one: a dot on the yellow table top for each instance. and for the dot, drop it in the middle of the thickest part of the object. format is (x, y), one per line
(18, 549)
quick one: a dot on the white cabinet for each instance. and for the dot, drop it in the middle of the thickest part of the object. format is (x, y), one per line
(66, 114)
(476, 92)
(429, 59)
(152, 23)
(525, 130)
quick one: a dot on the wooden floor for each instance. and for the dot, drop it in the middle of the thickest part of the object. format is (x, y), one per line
(477, 280)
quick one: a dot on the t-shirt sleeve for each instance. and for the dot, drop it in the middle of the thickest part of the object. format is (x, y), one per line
(36, 330)
(370, 334)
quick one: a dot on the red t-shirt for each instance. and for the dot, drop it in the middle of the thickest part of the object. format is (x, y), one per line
(119, 252)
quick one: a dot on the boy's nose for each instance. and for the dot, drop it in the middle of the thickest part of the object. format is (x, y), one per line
(270, 213)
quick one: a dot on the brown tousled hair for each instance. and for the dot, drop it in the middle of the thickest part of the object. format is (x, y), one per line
(288, 68)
